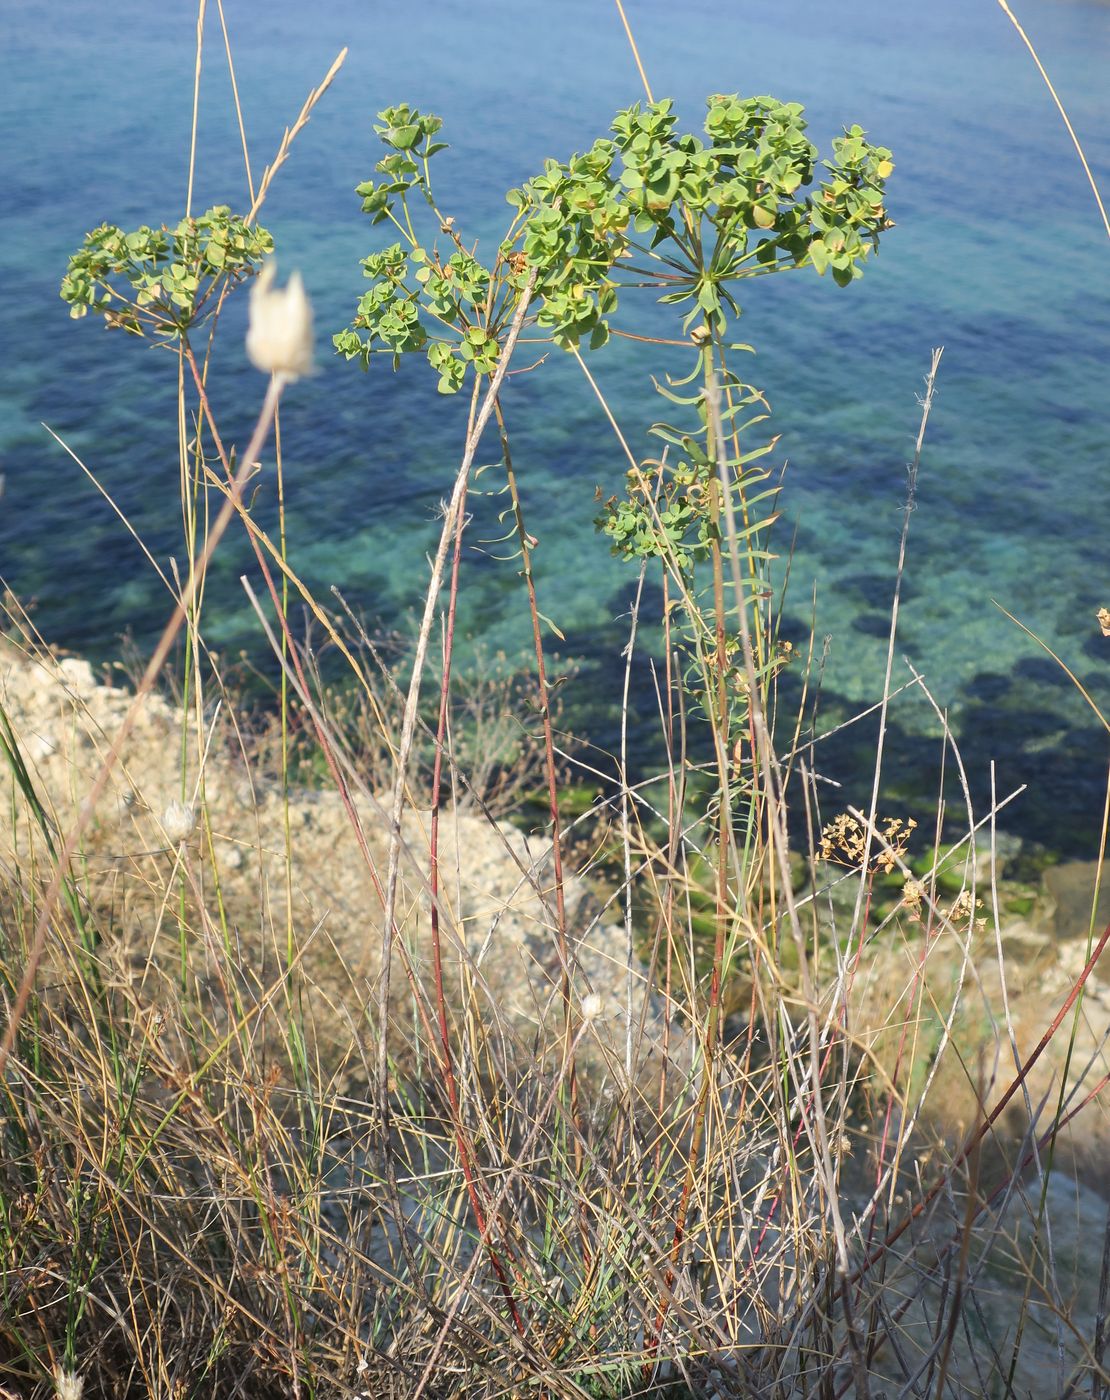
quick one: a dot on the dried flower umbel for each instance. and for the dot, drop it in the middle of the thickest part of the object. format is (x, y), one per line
(963, 909)
(844, 842)
(913, 893)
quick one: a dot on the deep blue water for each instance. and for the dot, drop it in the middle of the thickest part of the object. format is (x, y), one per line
(998, 256)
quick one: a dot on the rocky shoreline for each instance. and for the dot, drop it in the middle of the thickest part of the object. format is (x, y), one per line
(264, 869)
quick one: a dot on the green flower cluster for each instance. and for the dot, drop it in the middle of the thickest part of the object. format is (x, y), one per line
(689, 215)
(723, 209)
(408, 133)
(162, 280)
(418, 301)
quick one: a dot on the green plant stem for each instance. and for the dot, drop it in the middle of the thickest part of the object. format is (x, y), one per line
(723, 910)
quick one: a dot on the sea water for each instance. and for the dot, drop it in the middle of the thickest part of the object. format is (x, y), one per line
(999, 255)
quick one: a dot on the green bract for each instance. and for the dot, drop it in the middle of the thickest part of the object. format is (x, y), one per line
(162, 280)
(691, 215)
(418, 300)
(720, 210)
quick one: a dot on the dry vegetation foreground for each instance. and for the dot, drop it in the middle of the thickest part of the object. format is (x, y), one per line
(223, 853)
(196, 1184)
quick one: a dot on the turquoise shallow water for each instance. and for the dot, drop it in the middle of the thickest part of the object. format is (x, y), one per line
(998, 256)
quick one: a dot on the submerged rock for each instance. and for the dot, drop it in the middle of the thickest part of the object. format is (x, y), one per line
(1080, 891)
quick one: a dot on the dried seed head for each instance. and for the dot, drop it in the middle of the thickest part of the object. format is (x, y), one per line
(592, 1006)
(279, 339)
(913, 892)
(178, 821)
(67, 1386)
(844, 841)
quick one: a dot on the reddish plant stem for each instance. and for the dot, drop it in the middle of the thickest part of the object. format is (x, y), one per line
(321, 733)
(985, 1203)
(275, 598)
(341, 785)
(462, 1141)
(562, 941)
(437, 786)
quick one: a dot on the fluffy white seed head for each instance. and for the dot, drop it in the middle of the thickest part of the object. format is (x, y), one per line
(592, 1006)
(178, 821)
(67, 1386)
(279, 338)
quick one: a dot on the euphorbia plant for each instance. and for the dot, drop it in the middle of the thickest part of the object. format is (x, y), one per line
(168, 282)
(703, 214)
(690, 216)
(163, 281)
